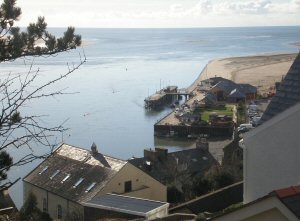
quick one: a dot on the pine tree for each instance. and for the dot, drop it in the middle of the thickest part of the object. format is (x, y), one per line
(16, 129)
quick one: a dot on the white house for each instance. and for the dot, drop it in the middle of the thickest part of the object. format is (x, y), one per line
(279, 205)
(272, 155)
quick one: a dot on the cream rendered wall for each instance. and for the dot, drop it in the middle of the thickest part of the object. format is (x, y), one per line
(268, 209)
(53, 201)
(39, 193)
(139, 179)
(271, 156)
(140, 193)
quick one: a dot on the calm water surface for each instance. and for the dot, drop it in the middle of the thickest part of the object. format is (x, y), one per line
(123, 67)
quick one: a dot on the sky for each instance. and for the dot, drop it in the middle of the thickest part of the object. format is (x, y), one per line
(161, 13)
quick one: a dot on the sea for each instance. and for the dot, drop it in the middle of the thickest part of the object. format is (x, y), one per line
(105, 96)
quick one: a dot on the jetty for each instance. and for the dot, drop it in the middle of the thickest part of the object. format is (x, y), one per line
(165, 96)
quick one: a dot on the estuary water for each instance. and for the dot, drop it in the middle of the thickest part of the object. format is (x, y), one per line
(123, 67)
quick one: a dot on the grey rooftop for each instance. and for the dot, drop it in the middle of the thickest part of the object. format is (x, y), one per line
(125, 204)
(288, 93)
(74, 173)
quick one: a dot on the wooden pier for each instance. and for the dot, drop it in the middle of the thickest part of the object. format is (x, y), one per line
(165, 96)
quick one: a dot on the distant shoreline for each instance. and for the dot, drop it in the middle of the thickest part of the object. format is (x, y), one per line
(295, 44)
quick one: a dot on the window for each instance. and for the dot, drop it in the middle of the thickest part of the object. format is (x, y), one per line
(45, 209)
(78, 182)
(59, 212)
(54, 174)
(128, 186)
(67, 177)
(43, 170)
(90, 187)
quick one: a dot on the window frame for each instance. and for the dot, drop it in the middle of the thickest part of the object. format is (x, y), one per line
(127, 186)
(45, 205)
(59, 211)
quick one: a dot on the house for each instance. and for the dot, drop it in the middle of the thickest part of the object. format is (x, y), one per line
(279, 205)
(175, 167)
(288, 93)
(72, 176)
(236, 96)
(271, 155)
(112, 206)
(227, 90)
(210, 99)
(249, 91)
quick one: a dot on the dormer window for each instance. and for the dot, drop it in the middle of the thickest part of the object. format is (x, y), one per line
(43, 170)
(78, 182)
(90, 187)
(54, 174)
(67, 177)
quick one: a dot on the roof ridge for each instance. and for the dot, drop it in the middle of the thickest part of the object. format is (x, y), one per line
(81, 148)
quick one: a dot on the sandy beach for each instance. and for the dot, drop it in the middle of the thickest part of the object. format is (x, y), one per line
(261, 71)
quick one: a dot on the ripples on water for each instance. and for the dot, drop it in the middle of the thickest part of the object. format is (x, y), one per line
(123, 67)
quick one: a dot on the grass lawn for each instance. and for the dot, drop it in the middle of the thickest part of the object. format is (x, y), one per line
(205, 112)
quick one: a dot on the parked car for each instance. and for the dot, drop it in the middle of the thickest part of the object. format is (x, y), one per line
(242, 130)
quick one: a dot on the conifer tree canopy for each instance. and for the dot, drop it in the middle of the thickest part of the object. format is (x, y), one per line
(18, 130)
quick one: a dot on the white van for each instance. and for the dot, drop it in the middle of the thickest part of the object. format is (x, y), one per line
(249, 126)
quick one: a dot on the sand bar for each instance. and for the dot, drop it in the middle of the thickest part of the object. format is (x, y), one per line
(262, 71)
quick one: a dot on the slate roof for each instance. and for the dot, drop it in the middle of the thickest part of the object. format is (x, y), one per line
(236, 94)
(290, 197)
(210, 97)
(228, 86)
(248, 88)
(185, 162)
(95, 170)
(125, 204)
(288, 93)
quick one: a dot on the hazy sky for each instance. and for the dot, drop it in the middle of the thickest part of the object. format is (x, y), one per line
(161, 13)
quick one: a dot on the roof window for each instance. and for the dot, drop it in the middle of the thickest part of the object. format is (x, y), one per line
(78, 182)
(67, 177)
(90, 187)
(43, 170)
(54, 174)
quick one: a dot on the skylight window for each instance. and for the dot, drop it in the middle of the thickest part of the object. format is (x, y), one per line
(78, 182)
(90, 187)
(43, 170)
(54, 174)
(67, 177)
